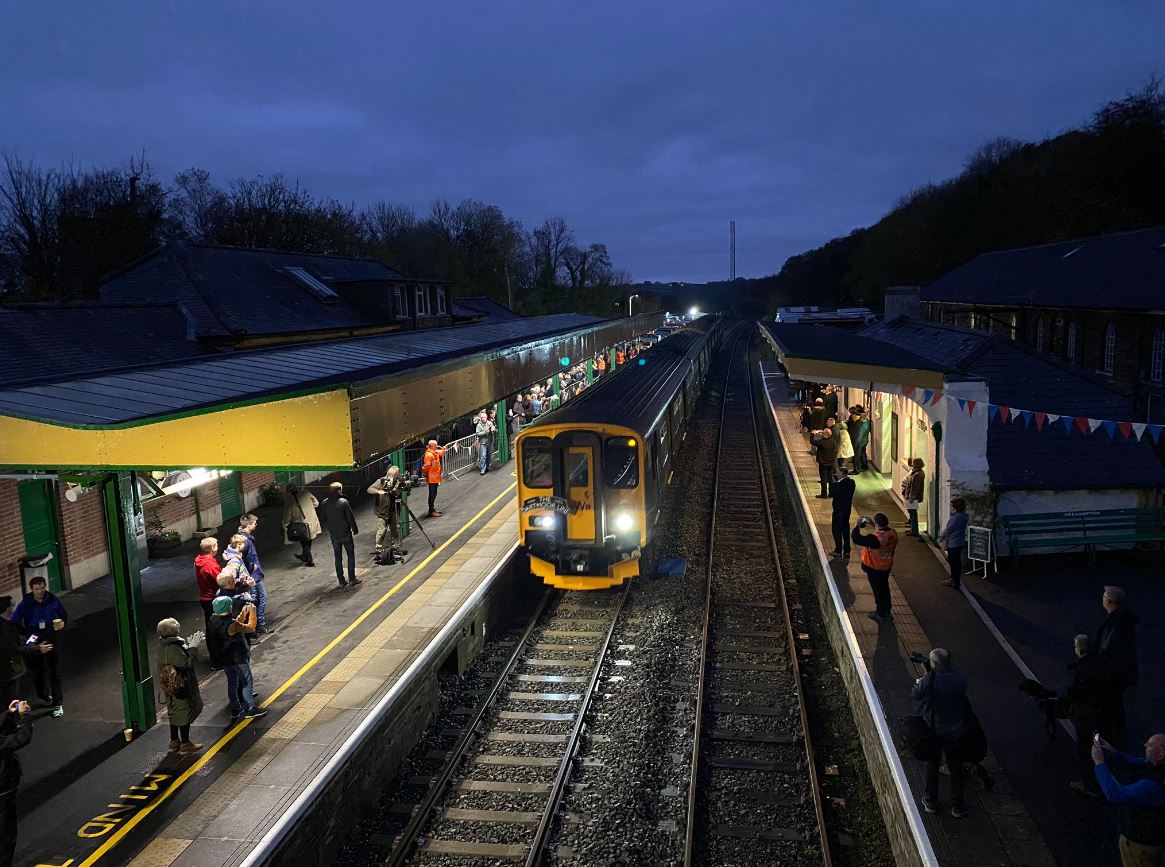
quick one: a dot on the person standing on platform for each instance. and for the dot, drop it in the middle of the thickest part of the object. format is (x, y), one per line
(859, 434)
(226, 640)
(943, 703)
(954, 537)
(388, 492)
(1116, 641)
(817, 415)
(842, 491)
(877, 560)
(299, 507)
(1094, 707)
(13, 651)
(485, 430)
(1140, 801)
(913, 490)
(431, 470)
(826, 453)
(15, 734)
(845, 448)
(206, 571)
(42, 615)
(340, 522)
(620, 356)
(179, 684)
(247, 525)
(830, 400)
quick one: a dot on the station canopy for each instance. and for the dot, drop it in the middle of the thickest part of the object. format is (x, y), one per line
(819, 353)
(325, 406)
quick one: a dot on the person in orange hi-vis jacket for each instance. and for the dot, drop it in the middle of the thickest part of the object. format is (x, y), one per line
(432, 471)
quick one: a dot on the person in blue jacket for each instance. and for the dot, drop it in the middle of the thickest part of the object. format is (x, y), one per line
(247, 525)
(41, 613)
(1139, 794)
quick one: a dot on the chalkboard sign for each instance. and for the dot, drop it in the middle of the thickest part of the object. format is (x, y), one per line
(979, 547)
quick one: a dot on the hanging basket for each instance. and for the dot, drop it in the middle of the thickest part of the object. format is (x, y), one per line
(161, 548)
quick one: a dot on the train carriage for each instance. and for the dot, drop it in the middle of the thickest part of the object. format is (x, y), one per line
(591, 473)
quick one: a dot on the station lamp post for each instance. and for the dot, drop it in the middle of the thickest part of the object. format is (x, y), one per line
(629, 300)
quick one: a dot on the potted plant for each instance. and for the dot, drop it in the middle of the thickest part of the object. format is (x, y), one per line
(160, 540)
(272, 494)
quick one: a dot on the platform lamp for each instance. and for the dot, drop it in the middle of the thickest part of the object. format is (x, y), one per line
(629, 300)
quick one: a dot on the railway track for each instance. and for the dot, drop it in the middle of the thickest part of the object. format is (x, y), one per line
(496, 797)
(754, 796)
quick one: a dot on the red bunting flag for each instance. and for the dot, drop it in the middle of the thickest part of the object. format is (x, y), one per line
(1125, 428)
(1005, 413)
(971, 407)
(1041, 417)
(908, 390)
(1082, 424)
(938, 395)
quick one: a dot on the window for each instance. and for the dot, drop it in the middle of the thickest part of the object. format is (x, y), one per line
(537, 465)
(621, 462)
(1042, 333)
(894, 437)
(1157, 357)
(441, 308)
(400, 303)
(422, 301)
(578, 471)
(311, 284)
(1014, 322)
(1072, 342)
(1109, 348)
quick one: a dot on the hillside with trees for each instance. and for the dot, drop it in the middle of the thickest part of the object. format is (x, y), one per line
(60, 229)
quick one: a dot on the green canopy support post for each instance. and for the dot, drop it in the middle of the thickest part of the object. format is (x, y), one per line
(397, 459)
(556, 384)
(590, 371)
(503, 432)
(119, 496)
(613, 348)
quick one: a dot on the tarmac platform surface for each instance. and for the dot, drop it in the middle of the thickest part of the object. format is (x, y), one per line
(89, 797)
(1018, 624)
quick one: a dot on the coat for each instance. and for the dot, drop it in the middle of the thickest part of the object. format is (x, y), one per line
(301, 507)
(845, 447)
(339, 518)
(826, 450)
(914, 486)
(943, 702)
(1116, 640)
(431, 468)
(182, 711)
(12, 663)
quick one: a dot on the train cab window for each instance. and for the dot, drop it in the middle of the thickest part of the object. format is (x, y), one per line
(537, 464)
(578, 471)
(621, 462)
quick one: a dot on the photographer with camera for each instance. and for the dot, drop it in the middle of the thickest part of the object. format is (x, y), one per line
(877, 560)
(1094, 707)
(943, 705)
(1140, 800)
(389, 493)
(15, 734)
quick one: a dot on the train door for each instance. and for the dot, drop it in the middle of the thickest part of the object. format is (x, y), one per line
(575, 481)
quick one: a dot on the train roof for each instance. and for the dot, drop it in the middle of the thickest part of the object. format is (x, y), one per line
(638, 394)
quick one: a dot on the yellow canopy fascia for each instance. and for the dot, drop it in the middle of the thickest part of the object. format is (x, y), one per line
(310, 431)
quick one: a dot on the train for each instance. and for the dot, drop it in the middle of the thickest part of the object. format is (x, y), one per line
(592, 473)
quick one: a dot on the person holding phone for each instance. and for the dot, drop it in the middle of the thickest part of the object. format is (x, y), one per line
(15, 734)
(42, 616)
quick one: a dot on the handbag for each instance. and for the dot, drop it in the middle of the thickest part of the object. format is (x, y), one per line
(918, 738)
(299, 531)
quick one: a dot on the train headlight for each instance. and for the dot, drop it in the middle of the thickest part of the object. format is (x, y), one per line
(624, 522)
(544, 521)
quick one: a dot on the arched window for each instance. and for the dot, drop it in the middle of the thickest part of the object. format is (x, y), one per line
(1072, 342)
(1109, 347)
(1157, 357)
(1042, 333)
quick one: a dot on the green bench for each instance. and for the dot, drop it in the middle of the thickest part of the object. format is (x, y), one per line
(1086, 528)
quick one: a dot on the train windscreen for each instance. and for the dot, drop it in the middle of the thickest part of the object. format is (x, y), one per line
(621, 462)
(537, 462)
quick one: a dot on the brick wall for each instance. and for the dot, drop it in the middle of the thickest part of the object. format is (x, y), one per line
(170, 511)
(253, 481)
(11, 536)
(82, 525)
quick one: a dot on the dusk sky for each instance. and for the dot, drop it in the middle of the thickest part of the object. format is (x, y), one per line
(647, 125)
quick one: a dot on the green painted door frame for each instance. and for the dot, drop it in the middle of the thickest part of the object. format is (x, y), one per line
(503, 432)
(119, 496)
(613, 358)
(397, 459)
(42, 530)
(590, 371)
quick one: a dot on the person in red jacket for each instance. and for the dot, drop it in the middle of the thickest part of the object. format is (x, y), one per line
(206, 569)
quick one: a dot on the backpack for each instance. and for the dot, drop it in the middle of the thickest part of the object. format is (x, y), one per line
(172, 683)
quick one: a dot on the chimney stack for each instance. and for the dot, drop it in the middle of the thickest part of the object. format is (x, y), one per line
(902, 301)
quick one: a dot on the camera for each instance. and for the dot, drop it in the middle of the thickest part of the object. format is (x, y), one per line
(919, 658)
(865, 522)
(1052, 706)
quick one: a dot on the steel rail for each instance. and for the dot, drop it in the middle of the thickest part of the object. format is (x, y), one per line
(689, 838)
(807, 740)
(406, 842)
(558, 787)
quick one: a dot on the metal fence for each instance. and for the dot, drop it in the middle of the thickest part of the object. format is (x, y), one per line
(457, 461)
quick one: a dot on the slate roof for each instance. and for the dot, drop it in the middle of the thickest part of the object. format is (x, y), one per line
(1019, 376)
(45, 342)
(1123, 271)
(176, 389)
(823, 342)
(492, 311)
(238, 291)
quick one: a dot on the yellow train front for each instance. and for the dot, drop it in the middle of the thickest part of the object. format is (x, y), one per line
(591, 473)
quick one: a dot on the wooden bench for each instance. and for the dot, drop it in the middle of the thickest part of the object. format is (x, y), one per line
(1087, 528)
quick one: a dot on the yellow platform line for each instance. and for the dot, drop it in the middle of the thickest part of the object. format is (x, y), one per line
(218, 745)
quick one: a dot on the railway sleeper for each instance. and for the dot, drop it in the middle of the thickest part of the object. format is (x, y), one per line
(757, 832)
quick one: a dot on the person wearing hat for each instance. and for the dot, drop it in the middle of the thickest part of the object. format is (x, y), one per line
(179, 684)
(226, 641)
(817, 415)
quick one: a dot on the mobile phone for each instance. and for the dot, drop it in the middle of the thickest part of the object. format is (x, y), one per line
(33, 639)
(1096, 738)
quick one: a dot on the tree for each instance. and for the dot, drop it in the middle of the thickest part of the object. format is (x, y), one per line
(29, 254)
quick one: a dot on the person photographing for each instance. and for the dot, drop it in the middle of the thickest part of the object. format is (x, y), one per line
(878, 542)
(15, 734)
(389, 493)
(1140, 798)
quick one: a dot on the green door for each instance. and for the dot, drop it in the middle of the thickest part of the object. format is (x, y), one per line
(229, 497)
(42, 534)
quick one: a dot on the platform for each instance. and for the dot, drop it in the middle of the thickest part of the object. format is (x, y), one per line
(334, 654)
(1031, 817)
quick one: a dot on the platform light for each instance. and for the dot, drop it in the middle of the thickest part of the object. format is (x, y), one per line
(624, 522)
(642, 362)
(694, 312)
(565, 362)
